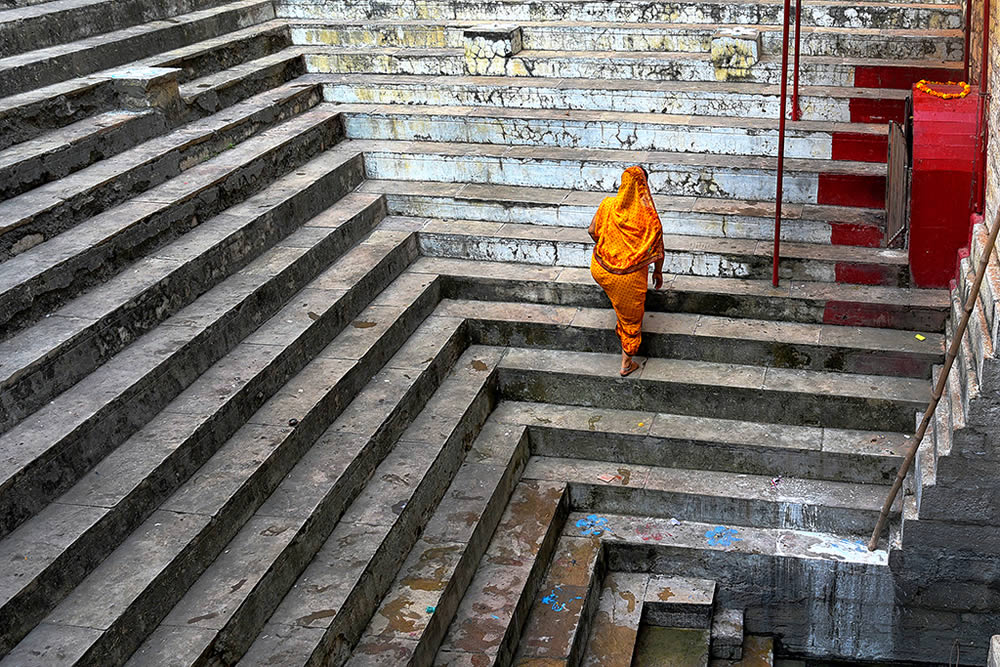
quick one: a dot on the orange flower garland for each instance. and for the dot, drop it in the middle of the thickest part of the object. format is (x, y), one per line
(925, 86)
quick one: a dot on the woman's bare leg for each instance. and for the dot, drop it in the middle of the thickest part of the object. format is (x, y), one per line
(628, 365)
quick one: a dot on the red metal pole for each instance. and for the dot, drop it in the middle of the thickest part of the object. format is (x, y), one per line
(984, 115)
(781, 145)
(796, 114)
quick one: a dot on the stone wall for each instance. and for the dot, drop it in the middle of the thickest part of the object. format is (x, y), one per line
(993, 168)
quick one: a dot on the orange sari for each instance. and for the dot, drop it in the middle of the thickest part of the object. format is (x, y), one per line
(629, 239)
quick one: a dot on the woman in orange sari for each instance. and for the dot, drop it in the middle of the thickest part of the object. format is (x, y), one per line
(628, 238)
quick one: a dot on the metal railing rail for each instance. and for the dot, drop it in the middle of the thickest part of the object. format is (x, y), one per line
(779, 185)
(979, 196)
(942, 382)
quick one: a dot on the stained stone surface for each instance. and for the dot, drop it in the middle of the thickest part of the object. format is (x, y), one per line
(301, 359)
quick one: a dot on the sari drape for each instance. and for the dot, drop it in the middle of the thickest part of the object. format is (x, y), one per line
(629, 239)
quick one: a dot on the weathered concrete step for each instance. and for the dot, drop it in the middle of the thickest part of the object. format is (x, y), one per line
(691, 255)
(128, 177)
(126, 487)
(634, 438)
(695, 98)
(727, 634)
(228, 50)
(681, 647)
(988, 308)
(615, 624)
(770, 572)
(687, 215)
(305, 511)
(626, 65)
(60, 152)
(562, 611)
(64, 347)
(712, 496)
(36, 280)
(696, 336)
(49, 65)
(601, 129)
(328, 609)
(60, 442)
(757, 650)
(807, 181)
(489, 620)
(718, 12)
(225, 88)
(679, 602)
(61, 21)
(671, 37)
(827, 303)
(729, 391)
(413, 617)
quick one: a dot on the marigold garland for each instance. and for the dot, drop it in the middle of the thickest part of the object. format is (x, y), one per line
(925, 86)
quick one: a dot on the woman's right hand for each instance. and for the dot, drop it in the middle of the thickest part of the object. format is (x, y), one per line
(657, 279)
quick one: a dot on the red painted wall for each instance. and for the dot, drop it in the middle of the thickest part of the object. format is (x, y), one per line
(944, 147)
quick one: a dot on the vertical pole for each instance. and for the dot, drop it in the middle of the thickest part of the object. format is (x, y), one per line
(781, 145)
(796, 113)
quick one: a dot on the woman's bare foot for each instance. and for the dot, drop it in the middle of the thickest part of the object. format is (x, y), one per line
(628, 365)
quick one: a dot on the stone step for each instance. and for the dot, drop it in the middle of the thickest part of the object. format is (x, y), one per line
(625, 65)
(727, 634)
(622, 131)
(807, 181)
(710, 496)
(60, 442)
(229, 613)
(682, 543)
(64, 347)
(61, 21)
(26, 115)
(679, 647)
(694, 98)
(414, 616)
(696, 215)
(281, 132)
(642, 438)
(692, 255)
(34, 281)
(671, 37)
(707, 337)
(615, 626)
(771, 572)
(705, 389)
(63, 151)
(562, 612)
(920, 310)
(678, 602)
(757, 651)
(214, 92)
(46, 66)
(328, 608)
(195, 59)
(255, 454)
(882, 15)
(702, 337)
(487, 626)
(988, 308)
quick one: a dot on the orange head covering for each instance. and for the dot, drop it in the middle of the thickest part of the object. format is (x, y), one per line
(629, 233)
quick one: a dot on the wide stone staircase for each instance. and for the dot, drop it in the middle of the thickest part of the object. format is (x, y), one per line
(301, 361)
